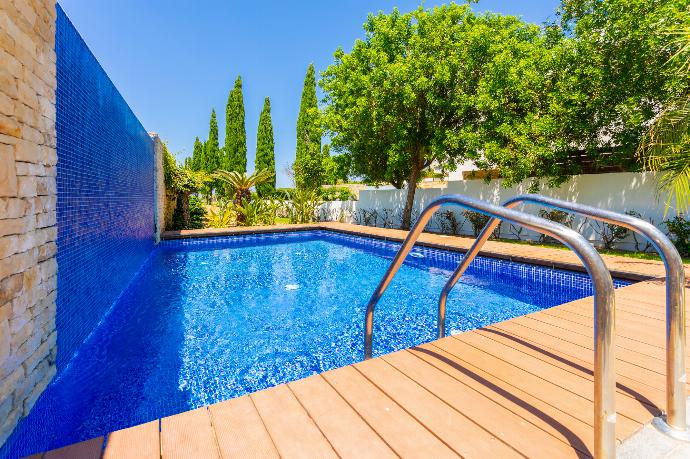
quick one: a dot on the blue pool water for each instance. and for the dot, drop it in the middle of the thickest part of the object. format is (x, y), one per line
(210, 319)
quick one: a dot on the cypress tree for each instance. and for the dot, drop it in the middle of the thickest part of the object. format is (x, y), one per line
(211, 150)
(197, 161)
(235, 154)
(265, 154)
(308, 160)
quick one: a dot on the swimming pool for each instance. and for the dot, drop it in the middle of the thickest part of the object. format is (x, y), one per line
(209, 319)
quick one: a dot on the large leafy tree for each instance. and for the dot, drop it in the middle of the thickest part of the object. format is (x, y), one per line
(235, 152)
(437, 87)
(308, 164)
(265, 154)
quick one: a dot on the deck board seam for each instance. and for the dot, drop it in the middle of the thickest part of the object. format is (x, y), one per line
(619, 345)
(620, 387)
(263, 423)
(618, 358)
(360, 415)
(422, 387)
(564, 338)
(313, 420)
(586, 450)
(618, 332)
(536, 396)
(546, 349)
(390, 397)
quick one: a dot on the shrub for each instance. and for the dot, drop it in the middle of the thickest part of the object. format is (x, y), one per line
(448, 222)
(477, 220)
(556, 216)
(336, 194)
(302, 206)
(197, 212)
(679, 230)
(609, 234)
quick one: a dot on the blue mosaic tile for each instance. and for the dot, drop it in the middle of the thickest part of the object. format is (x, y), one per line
(105, 191)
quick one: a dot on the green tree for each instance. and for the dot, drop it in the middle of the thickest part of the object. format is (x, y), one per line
(666, 145)
(211, 148)
(308, 163)
(197, 159)
(265, 154)
(240, 184)
(235, 152)
(613, 77)
(439, 86)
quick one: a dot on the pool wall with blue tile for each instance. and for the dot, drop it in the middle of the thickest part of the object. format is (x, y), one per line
(105, 187)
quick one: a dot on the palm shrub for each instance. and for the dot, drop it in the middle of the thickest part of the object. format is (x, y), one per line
(240, 185)
(302, 205)
(666, 145)
(222, 216)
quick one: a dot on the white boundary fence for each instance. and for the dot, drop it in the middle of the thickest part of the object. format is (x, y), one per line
(620, 192)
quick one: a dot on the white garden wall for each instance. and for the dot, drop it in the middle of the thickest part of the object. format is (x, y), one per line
(619, 192)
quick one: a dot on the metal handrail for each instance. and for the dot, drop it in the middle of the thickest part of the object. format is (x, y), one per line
(675, 291)
(604, 303)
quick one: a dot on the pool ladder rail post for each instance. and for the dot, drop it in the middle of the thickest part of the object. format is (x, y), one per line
(675, 421)
(604, 302)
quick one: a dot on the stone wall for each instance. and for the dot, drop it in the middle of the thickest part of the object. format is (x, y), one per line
(159, 187)
(28, 158)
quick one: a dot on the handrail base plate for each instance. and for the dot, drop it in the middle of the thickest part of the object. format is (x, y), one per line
(660, 424)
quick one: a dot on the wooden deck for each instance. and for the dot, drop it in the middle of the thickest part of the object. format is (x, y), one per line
(517, 388)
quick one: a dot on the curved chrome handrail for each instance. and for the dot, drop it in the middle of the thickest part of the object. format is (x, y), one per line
(675, 291)
(604, 303)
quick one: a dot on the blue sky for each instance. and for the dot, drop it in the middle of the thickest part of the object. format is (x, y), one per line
(174, 60)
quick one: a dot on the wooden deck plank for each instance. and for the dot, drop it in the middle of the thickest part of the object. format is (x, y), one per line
(188, 434)
(294, 433)
(639, 357)
(633, 370)
(138, 442)
(578, 405)
(89, 449)
(643, 388)
(347, 432)
(404, 434)
(520, 407)
(449, 424)
(635, 408)
(240, 431)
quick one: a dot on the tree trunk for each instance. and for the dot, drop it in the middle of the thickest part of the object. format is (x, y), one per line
(409, 202)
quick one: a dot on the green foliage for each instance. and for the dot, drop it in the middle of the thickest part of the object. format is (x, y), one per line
(240, 185)
(439, 85)
(282, 193)
(666, 145)
(222, 216)
(613, 74)
(197, 213)
(180, 179)
(477, 220)
(197, 161)
(265, 154)
(302, 206)
(558, 216)
(308, 160)
(212, 160)
(336, 194)
(235, 153)
(679, 228)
